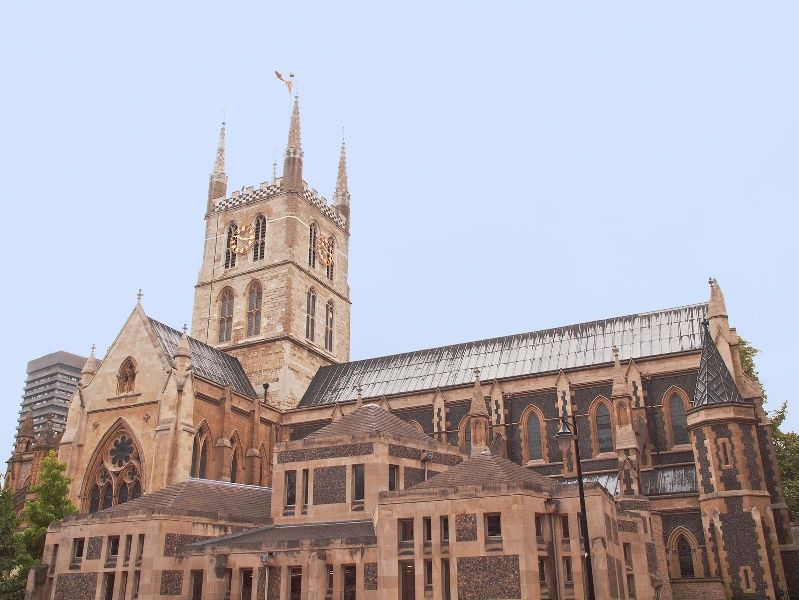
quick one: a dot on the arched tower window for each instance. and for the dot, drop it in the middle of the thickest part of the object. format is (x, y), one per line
(602, 426)
(532, 433)
(254, 302)
(259, 246)
(312, 235)
(329, 326)
(126, 376)
(310, 314)
(684, 557)
(115, 475)
(230, 255)
(199, 454)
(331, 257)
(677, 425)
(226, 315)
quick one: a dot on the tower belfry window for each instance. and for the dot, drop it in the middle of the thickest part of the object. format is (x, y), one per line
(230, 255)
(331, 258)
(312, 235)
(254, 302)
(259, 247)
(310, 314)
(226, 315)
(329, 326)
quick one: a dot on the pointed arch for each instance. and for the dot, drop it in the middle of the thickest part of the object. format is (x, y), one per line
(329, 315)
(684, 555)
(313, 234)
(230, 240)
(601, 415)
(255, 300)
(331, 260)
(226, 303)
(201, 452)
(675, 403)
(259, 245)
(263, 475)
(310, 314)
(416, 425)
(237, 467)
(126, 376)
(116, 470)
(465, 434)
(534, 439)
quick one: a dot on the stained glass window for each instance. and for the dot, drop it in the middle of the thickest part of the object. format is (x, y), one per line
(603, 429)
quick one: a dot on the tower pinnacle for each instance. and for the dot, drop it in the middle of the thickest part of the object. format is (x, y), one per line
(217, 185)
(341, 197)
(292, 164)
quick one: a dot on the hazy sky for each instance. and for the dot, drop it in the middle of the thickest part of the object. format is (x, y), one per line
(513, 166)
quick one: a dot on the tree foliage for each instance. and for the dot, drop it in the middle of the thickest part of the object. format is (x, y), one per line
(786, 443)
(14, 560)
(51, 503)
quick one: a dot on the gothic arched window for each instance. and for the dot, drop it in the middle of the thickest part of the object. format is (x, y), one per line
(259, 247)
(310, 314)
(685, 558)
(226, 315)
(254, 302)
(331, 258)
(534, 440)
(234, 466)
(603, 428)
(312, 235)
(230, 255)
(126, 376)
(116, 472)
(465, 434)
(677, 420)
(329, 326)
(199, 454)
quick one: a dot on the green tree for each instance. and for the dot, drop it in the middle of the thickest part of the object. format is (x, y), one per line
(14, 560)
(51, 503)
(786, 443)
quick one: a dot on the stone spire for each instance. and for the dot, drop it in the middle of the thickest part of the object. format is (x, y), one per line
(478, 406)
(714, 383)
(341, 198)
(89, 369)
(717, 308)
(620, 388)
(292, 163)
(217, 185)
(478, 418)
(26, 429)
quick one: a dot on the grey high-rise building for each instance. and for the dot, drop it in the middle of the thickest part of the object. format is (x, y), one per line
(51, 380)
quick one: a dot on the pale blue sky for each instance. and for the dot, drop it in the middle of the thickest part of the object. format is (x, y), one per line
(513, 166)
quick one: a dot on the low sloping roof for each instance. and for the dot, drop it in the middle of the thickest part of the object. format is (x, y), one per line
(227, 501)
(486, 469)
(369, 419)
(291, 535)
(637, 336)
(207, 362)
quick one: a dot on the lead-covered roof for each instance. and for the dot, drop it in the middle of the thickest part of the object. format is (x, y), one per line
(637, 336)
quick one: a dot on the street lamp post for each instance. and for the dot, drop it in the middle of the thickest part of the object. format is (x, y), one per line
(566, 436)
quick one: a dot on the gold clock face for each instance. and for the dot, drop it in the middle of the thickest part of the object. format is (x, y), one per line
(243, 240)
(324, 250)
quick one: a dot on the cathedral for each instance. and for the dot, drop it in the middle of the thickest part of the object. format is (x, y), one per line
(251, 459)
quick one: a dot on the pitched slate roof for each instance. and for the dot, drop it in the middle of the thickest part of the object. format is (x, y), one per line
(486, 469)
(637, 336)
(369, 419)
(229, 501)
(207, 362)
(272, 536)
(714, 384)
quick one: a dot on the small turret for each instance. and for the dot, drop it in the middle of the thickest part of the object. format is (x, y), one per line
(183, 354)
(217, 185)
(292, 163)
(341, 197)
(89, 369)
(478, 417)
(25, 434)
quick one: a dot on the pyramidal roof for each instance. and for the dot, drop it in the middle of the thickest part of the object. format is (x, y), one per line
(714, 383)
(486, 469)
(369, 419)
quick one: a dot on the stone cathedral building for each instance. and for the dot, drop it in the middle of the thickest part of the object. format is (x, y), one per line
(252, 459)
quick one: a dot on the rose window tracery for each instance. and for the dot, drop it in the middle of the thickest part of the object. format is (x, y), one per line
(116, 476)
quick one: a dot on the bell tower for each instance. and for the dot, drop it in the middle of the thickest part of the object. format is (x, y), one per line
(272, 289)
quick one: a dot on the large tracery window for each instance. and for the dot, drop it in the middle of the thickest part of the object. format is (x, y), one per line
(226, 315)
(199, 455)
(310, 314)
(254, 302)
(116, 475)
(126, 376)
(230, 255)
(259, 247)
(329, 326)
(312, 235)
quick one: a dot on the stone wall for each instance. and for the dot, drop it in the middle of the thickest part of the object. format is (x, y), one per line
(478, 577)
